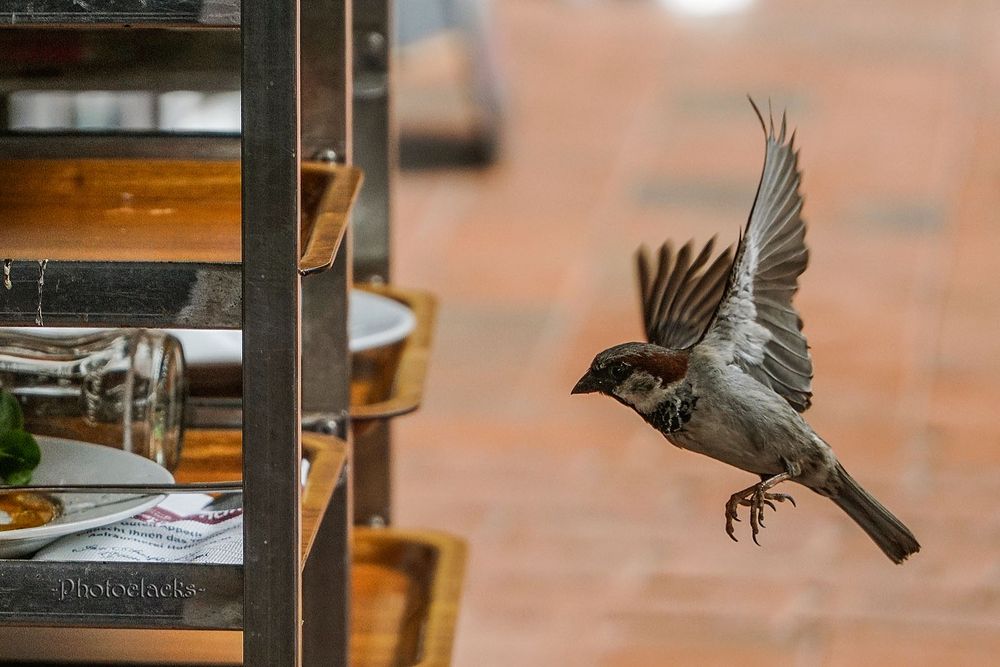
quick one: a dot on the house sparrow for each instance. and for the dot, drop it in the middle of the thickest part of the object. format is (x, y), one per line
(727, 370)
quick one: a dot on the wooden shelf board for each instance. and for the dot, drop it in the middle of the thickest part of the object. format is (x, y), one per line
(120, 210)
(133, 210)
(406, 587)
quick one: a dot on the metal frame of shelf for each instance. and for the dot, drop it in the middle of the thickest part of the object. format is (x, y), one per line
(376, 143)
(296, 88)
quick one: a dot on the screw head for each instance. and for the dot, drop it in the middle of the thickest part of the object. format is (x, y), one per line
(374, 44)
(327, 155)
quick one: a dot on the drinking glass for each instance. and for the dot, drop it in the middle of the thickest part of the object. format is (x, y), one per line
(123, 388)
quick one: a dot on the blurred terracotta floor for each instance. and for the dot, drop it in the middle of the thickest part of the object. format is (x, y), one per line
(594, 542)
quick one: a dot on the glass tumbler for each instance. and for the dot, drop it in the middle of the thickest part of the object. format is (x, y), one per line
(123, 388)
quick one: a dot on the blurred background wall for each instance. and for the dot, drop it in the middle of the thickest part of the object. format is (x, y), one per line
(615, 123)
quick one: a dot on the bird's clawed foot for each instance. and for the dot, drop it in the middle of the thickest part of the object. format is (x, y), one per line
(755, 497)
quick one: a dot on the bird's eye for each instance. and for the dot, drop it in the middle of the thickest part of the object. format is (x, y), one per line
(619, 371)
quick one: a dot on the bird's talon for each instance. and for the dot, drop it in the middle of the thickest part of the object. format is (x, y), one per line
(780, 497)
(730, 530)
(756, 498)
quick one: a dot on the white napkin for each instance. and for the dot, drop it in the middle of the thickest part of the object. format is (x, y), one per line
(178, 530)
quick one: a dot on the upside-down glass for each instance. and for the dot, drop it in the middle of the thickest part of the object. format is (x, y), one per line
(122, 388)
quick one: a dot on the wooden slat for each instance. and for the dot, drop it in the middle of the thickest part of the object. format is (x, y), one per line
(328, 225)
(136, 210)
(120, 210)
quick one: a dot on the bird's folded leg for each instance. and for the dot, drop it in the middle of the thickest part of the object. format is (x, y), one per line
(755, 497)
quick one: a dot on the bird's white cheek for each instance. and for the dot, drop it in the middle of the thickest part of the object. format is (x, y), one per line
(643, 393)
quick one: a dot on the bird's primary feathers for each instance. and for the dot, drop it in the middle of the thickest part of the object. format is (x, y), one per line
(743, 308)
(727, 369)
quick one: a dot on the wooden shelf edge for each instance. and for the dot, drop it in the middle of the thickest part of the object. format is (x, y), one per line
(411, 370)
(446, 593)
(327, 457)
(332, 216)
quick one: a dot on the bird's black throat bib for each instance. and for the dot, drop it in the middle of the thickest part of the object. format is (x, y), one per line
(673, 412)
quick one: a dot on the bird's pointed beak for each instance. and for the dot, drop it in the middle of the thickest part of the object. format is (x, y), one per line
(586, 385)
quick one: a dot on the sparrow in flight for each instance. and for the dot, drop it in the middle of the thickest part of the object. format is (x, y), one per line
(727, 371)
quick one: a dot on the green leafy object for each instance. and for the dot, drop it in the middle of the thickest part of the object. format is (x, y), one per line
(20, 478)
(19, 455)
(11, 417)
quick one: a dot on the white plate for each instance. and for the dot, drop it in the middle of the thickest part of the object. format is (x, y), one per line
(374, 321)
(72, 462)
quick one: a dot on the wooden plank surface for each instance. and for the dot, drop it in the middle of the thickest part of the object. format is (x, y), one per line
(120, 210)
(138, 210)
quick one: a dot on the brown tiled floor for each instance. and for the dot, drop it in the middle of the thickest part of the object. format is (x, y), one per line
(594, 542)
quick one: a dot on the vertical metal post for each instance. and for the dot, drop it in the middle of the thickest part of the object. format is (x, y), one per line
(326, 135)
(326, 123)
(374, 138)
(326, 605)
(373, 475)
(376, 147)
(326, 79)
(326, 577)
(271, 439)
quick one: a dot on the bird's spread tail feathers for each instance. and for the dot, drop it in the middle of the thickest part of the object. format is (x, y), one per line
(888, 532)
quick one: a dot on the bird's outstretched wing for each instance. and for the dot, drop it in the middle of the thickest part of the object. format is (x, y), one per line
(756, 325)
(679, 297)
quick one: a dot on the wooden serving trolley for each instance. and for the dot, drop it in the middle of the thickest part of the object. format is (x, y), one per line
(246, 230)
